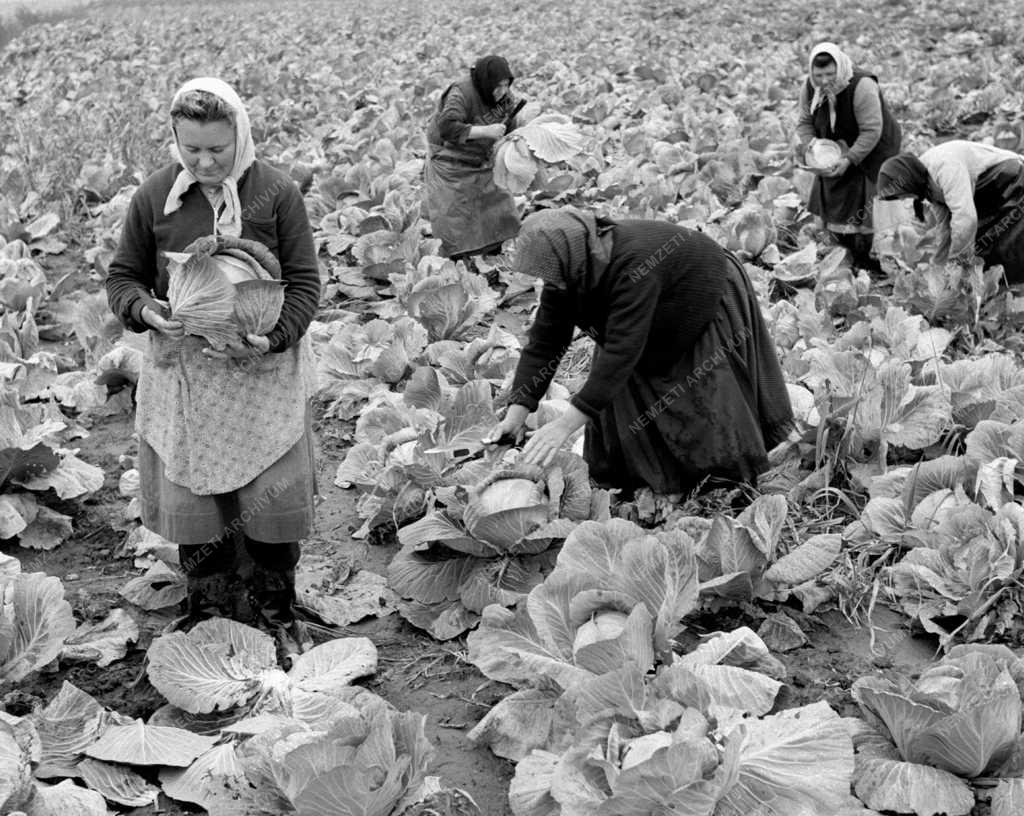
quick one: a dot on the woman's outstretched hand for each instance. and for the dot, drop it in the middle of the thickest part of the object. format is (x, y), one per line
(511, 426)
(548, 439)
(157, 322)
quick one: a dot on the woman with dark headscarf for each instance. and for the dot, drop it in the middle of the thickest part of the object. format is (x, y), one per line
(978, 192)
(467, 211)
(841, 103)
(684, 384)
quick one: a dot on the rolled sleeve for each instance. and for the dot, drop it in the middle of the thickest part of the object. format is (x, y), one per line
(954, 181)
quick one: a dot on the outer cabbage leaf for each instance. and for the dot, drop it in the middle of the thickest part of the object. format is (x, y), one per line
(217, 665)
(806, 561)
(906, 787)
(800, 760)
(68, 725)
(529, 792)
(64, 799)
(161, 586)
(15, 769)
(117, 783)
(34, 621)
(552, 137)
(71, 479)
(514, 166)
(104, 642)
(673, 779)
(211, 772)
(519, 723)
(1008, 797)
(141, 744)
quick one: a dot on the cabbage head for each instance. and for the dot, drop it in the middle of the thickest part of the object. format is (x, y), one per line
(962, 715)
(510, 504)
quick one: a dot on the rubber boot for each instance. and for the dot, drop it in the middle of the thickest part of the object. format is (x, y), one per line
(272, 597)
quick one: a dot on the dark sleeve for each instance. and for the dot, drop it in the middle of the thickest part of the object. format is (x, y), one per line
(299, 270)
(132, 271)
(632, 302)
(550, 336)
(452, 121)
(804, 121)
(512, 101)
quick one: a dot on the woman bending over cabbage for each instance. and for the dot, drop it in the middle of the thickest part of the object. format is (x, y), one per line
(684, 385)
(225, 445)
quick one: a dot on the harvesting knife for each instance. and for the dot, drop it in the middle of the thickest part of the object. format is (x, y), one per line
(506, 440)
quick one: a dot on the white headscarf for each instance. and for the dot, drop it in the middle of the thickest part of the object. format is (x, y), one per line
(844, 73)
(230, 221)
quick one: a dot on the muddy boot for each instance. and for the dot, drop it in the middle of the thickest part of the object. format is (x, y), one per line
(272, 596)
(208, 596)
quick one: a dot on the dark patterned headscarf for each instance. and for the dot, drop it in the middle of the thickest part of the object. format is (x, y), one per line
(487, 74)
(563, 248)
(901, 176)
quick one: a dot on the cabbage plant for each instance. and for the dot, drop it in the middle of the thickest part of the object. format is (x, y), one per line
(491, 543)
(693, 738)
(370, 761)
(33, 461)
(616, 597)
(411, 446)
(959, 720)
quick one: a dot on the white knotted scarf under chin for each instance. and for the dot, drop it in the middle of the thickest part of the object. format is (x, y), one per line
(844, 73)
(230, 220)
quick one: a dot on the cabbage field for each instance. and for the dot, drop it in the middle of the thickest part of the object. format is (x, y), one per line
(492, 638)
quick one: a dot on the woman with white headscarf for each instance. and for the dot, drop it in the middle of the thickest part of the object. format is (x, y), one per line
(844, 104)
(225, 446)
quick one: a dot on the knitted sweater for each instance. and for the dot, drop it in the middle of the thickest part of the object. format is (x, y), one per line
(273, 213)
(661, 289)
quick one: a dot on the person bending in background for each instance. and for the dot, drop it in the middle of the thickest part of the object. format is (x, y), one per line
(841, 103)
(978, 192)
(467, 211)
(225, 441)
(684, 385)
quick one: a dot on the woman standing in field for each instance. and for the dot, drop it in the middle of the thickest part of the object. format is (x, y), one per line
(684, 385)
(978, 191)
(467, 211)
(225, 446)
(841, 103)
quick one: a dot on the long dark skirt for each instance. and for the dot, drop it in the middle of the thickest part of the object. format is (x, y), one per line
(844, 203)
(999, 201)
(467, 210)
(715, 414)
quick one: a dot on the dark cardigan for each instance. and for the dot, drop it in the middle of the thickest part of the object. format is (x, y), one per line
(273, 213)
(661, 289)
(460, 109)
